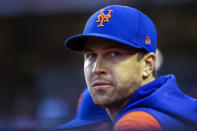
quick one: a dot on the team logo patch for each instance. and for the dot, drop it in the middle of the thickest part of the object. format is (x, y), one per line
(103, 18)
(148, 41)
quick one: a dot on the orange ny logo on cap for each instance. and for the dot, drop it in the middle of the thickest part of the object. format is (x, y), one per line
(102, 17)
(148, 41)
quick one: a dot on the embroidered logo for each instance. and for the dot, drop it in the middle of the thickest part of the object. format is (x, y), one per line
(103, 18)
(148, 41)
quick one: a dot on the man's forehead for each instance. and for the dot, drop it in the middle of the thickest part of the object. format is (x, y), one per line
(94, 43)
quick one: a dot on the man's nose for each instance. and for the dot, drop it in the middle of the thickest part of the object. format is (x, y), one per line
(100, 66)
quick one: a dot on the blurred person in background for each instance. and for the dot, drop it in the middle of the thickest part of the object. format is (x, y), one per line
(88, 117)
(22, 117)
(50, 112)
(119, 45)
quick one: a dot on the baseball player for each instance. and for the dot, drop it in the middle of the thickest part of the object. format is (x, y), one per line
(89, 116)
(119, 45)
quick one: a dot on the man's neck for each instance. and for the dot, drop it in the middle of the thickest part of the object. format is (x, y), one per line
(114, 109)
(148, 80)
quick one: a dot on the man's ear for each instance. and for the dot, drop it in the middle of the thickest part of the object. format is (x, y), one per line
(149, 64)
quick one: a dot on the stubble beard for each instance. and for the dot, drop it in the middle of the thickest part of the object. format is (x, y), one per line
(102, 101)
(114, 98)
(116, 95)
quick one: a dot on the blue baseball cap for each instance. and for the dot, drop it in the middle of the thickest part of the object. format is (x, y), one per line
(88, 113)
(119, 23)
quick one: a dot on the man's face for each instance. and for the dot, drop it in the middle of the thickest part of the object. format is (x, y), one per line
(113, 71)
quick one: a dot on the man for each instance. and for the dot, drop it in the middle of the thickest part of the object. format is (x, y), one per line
(119, 45)
(88, 117)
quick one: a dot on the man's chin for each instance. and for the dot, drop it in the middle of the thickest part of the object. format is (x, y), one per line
(102, 105)
(102, 102)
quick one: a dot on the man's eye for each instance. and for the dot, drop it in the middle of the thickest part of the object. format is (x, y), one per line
(114, 53)
(90, 56)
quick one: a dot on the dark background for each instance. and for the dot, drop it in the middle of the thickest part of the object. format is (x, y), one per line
(40, 80)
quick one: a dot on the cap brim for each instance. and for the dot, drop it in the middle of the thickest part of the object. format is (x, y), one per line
(75, 123)
(77, 42)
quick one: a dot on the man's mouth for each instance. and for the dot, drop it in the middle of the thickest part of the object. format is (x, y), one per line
(101, 84)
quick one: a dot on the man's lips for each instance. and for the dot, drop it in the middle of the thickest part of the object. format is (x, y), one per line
(100, 83)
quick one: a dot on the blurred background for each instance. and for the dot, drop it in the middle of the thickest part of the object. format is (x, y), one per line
(40, 80)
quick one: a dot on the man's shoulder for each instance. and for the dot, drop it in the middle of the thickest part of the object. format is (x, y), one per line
(137, 120)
